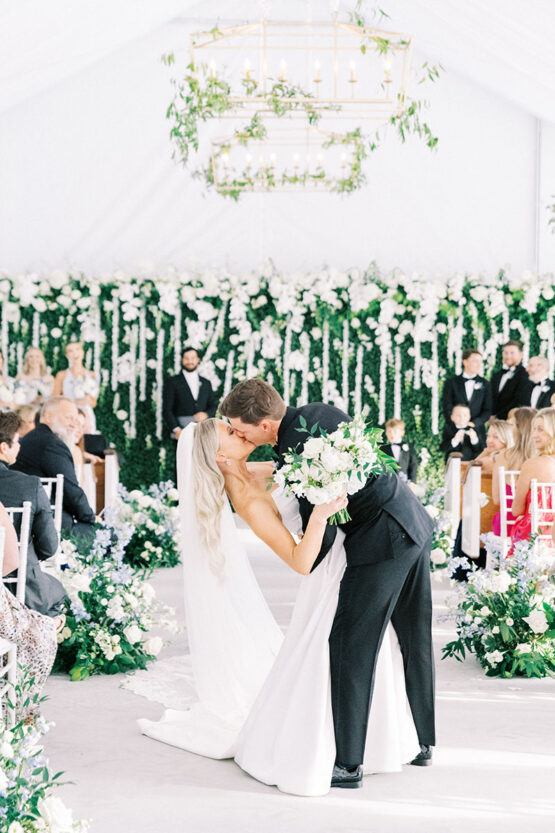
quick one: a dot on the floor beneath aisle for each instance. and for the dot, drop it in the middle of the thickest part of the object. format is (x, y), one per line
(494, 767)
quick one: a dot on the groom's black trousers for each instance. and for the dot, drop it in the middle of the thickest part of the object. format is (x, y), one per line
(370, 596)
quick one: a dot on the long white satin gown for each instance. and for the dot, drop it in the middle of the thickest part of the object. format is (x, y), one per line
(282, 734)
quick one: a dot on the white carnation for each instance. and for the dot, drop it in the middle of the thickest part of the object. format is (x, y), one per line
(537, 621)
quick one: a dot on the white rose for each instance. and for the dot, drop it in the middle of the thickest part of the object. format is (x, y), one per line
(133, 634)
(6, 750)
(173, 494)
(149, 593)
(313, 447)
(3, 782)
(485, 611)
(153, 646)
(438, 556)
(494, 657)
(537, 621)
(16, 827)
(81, 582)
(495, 629)
(432, 511)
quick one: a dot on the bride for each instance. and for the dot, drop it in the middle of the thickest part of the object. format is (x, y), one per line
(262, 699)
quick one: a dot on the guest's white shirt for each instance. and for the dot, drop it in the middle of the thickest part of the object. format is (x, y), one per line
(192, 379)
(536, 393)
(396, 449)
(469, 382)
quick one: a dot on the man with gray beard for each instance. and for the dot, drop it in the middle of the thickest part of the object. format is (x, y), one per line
(45, 452)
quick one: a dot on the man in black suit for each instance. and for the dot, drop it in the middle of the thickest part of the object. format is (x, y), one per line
(540, 387)
(43, 592)
(403, 453)
(472, 389)
(387, 578)
(45, 452)
(188, 397)
(509, 386)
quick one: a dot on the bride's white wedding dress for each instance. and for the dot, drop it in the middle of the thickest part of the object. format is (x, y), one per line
(274, 714)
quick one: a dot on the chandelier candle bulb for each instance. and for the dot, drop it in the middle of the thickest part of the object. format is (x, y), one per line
(283, 71)
(295, 160)
(317, 78)
(320, 158)
(247, 67)
(352, 72)
(212, 70)
(248, 161)
(272, 160)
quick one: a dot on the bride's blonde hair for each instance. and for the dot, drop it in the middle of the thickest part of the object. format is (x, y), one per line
(208, 485)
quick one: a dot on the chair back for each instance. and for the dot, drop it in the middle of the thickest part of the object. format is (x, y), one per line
(542, 504)
(89, 485)
(8, 659)
(507, 480)
(471, 512)
(111, 478)
(21, 577)
(55, 497)
(453, 491)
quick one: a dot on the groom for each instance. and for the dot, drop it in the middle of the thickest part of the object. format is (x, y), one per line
(387, 543)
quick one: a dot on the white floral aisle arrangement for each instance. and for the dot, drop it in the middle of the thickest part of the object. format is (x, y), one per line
(433, 499)
(155, 520)
(110, 609)
(335, 464)
(26, 803)
(506, 616)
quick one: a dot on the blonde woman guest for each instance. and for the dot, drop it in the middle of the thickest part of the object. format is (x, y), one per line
(27, 416)
(34, 384)
(540, 467)
(34, 635)
(6, 387)
(512, 458)
(499, 438)
(77, 383)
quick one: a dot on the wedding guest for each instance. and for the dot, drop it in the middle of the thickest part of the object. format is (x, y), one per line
(188, 397)
(34, 635)
(77, 383)
(34, 384)
(6, 386)
(45, 452)
(540, 467)
(512, 459)
(27, 417)
(540, 387)
(499, 438)
(509, 386)
(43, 592)
(403, 452)
(472, 389)
(459, 436)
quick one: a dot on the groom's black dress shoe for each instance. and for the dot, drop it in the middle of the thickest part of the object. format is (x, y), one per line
(349, 779)
(424, 757)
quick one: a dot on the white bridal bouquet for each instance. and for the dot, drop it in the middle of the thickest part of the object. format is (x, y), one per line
(331, 465)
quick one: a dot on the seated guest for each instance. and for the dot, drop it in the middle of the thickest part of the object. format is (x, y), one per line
(540, 467)
(540, 387)
(46, 452)
(43, 592)
(512, 458)
(33, 635)
(34, 383)
(403, 452)
(509, 386)
(499, 438)
(27, 418)
(77, 383)
(472, 389)
(459, 436)
(6, 387)
(188, 397)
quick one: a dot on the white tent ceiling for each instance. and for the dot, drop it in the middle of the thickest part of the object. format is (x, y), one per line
(506, 46)
(88, 181)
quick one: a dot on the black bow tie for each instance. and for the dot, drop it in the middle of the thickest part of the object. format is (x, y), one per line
(470, 378)
(509, 369)
(536, 384)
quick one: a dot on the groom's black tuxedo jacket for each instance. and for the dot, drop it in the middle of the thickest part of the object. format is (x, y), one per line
(386, 517)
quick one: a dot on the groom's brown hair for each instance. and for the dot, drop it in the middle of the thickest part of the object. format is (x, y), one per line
(252, 401)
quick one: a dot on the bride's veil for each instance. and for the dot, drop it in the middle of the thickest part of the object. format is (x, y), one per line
(233, 637)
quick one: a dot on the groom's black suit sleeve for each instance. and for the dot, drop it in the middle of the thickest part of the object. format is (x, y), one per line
(291, 434)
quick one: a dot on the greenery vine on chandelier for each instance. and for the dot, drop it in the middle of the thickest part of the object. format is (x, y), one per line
(202, 95)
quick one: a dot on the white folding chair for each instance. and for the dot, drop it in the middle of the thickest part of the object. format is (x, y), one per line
(111, 478)
(470, 542)
(453, 491)
(89, 485)
(542, 507)
(506, 479)
(57, 504)
(21, 578)
(8, 659)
